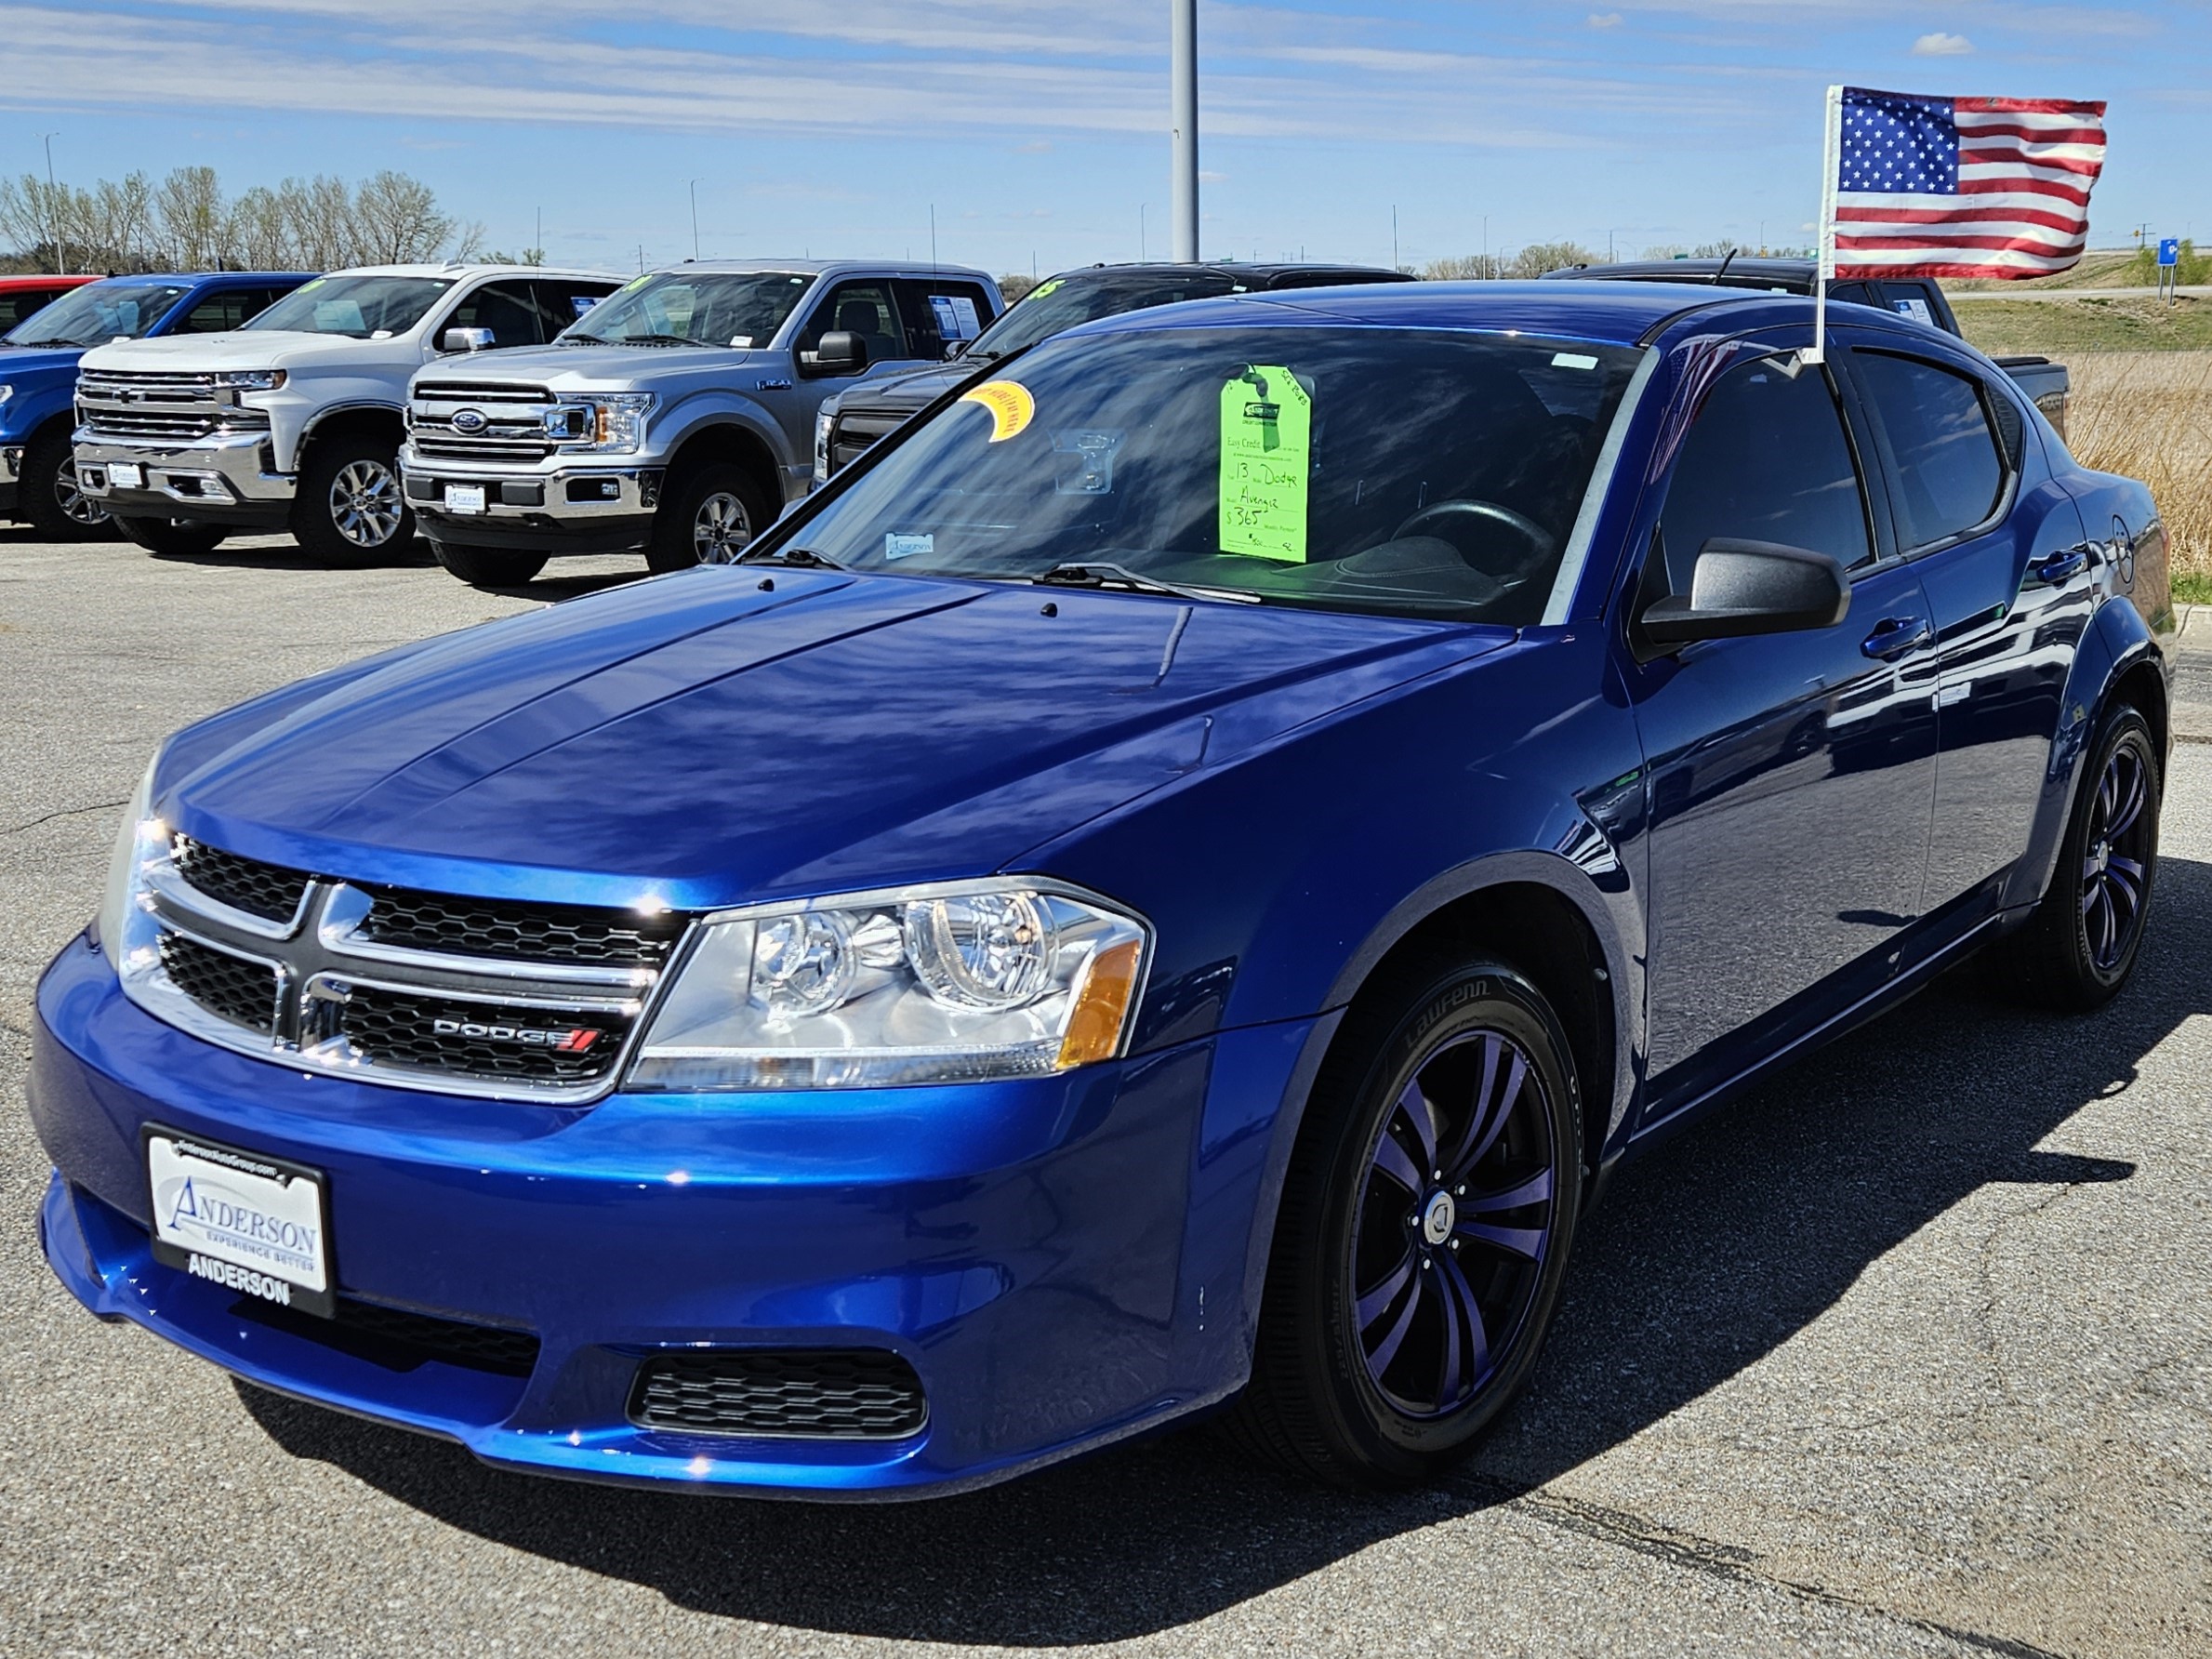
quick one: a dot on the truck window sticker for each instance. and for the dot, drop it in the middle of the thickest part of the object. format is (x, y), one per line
(1011, 406)
(1266, 429)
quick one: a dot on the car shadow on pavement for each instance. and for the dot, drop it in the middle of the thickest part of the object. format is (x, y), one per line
(1708, 1254)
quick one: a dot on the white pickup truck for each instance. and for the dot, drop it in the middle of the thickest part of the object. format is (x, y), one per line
(295, 420)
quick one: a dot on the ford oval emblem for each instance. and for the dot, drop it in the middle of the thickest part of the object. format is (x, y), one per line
(470, 422)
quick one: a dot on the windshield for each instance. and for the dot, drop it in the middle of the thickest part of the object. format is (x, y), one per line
(99, 313)
(675, 307)
(1413, 472)
(1062, 301)
(358, 307)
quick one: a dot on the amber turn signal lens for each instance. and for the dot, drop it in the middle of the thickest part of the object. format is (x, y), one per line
(1102, 1004)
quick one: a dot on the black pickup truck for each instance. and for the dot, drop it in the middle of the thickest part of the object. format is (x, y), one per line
(2046, 382)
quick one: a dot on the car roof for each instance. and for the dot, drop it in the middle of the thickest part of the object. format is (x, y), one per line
(1292, 274)
(920, 271)
(35, 280)
(1795, 276)
(1607, 313)
(456, 269)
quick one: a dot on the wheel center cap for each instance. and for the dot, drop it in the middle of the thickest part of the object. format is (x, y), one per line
(2101, 857)
(1438, 1217)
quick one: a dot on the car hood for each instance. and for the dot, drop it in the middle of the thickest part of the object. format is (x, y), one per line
(252, 348)
(910, 390)
(600, 368)
(747, 732)
(20, 364)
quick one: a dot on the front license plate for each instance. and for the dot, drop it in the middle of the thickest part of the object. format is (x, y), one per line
(464, 498)
(126, 475)
(254, 1224)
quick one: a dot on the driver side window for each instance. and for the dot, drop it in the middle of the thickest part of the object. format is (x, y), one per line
(863, 309)
(1767, 460)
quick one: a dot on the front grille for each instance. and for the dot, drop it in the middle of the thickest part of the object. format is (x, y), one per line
(269, 891)
(858, 431)
(394, 1337)
(854, 1394)
(124, 403)
(458, 1037)
(535, 932)
(513, 429)
(241, 991)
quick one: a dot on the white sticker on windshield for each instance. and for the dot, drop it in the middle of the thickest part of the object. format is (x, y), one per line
(905, 546)
(1573, 360)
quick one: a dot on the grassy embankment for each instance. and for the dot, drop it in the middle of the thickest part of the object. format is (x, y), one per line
(2141, 404)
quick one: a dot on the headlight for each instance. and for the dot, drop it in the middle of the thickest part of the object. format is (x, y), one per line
(823, 420)
(141, 840)
(7, 392)
(1006, 978)
(602, 422)
(252, 380)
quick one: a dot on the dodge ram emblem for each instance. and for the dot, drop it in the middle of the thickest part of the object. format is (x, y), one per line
(470, 421)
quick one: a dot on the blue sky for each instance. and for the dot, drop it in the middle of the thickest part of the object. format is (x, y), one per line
(1037, 128)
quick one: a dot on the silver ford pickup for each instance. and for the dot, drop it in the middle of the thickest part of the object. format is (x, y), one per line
(675, 419)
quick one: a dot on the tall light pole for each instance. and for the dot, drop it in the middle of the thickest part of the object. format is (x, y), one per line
(694, 219)
(53, 219)
(1183, 86)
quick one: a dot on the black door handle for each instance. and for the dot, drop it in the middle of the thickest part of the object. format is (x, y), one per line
(1897, 636)
(2055, 568)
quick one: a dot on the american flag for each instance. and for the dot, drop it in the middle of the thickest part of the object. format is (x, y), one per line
(1963, 186)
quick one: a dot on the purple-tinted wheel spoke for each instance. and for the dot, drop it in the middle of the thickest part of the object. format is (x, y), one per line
(1395, 1161)
(1380, 1356)
(1416, 1110)
(1536, 1188)
(2107, 793)
(2125, 883)
(1493, 1050)
(1492, 1123)
(1461, 1307)
(1372, 1305)
(1518, 1241)
(2131, 804)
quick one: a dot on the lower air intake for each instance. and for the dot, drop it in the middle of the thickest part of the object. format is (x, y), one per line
(833, 1394)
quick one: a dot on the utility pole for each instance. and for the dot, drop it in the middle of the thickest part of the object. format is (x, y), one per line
(1183, 97)
(537, 242)
(53, 219)
(1144, 245)
(694, 219)
(1394, 235)
(1486, 246)
(933, 235)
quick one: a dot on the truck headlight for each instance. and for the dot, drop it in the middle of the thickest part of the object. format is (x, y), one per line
(142, 840)
(823, 421)
(252, 380)
(949, 983)
(7, 392)
(602, 423)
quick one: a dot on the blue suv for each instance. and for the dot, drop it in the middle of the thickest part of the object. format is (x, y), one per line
(38, 376)
(1171, 883)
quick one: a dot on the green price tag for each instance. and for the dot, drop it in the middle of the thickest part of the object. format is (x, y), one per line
(1267, 426)
(1044, 289)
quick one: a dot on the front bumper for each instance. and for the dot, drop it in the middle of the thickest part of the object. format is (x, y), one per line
(1063, 1261)
(572, 508)
(226, 479)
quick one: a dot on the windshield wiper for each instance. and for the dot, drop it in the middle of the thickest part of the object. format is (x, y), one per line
(582, 340)
(1083, 573)
(655, 339)
(799, 558)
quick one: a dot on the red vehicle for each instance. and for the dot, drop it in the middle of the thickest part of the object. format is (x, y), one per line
(24, 296)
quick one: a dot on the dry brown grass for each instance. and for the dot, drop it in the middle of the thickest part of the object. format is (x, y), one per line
(2149, 415)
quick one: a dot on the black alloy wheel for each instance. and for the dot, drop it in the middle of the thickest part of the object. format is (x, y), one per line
(2081, 946)
(176, 538)
(488, 566)
(709, 518)
(48, 495)
(1423, 1234)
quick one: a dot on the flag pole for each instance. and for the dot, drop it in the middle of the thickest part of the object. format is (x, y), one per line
(1830, 162)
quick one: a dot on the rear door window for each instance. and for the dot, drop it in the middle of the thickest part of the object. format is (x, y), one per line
(941, 314)
(218, 313)
(508, 309)
(561, 302)
(1767, 460)
(1911, 300)
(18, 303)
(1933, 425)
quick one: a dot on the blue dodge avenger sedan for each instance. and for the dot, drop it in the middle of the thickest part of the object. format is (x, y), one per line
(1171, 884)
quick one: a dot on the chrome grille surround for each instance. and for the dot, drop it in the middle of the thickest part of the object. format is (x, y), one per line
(509, 424)
(135, 404)
(321, 955)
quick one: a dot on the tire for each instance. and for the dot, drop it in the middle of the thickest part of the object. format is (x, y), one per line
(173, 538)
(46, 493)
(2079, 949)
(709, 518)
(350, 508)
(488, 566)
(1401, 1315)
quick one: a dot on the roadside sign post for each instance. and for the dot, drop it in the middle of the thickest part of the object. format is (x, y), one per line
(2169, 267)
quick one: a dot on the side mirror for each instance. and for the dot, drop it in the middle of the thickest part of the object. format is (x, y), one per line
(840, 353)
(1742, 588)
(957, 348)
(467, 340)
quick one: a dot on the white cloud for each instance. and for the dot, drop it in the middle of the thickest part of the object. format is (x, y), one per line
(1605, 20)
(1939, 45)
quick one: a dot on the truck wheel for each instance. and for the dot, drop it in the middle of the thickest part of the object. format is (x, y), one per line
(349, 508)
(488, 566)
(709, 518)
(47, 494)
(173, 538)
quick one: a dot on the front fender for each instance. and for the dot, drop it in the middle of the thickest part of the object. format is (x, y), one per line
(33, 407)
(719, 406)
(2116, 641)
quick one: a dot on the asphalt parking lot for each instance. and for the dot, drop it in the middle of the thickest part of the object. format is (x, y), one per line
(1909, 1352)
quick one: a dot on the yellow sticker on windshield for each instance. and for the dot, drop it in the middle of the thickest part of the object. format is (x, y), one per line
(1010, 406)
(1042, 288)
(1266, 429)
